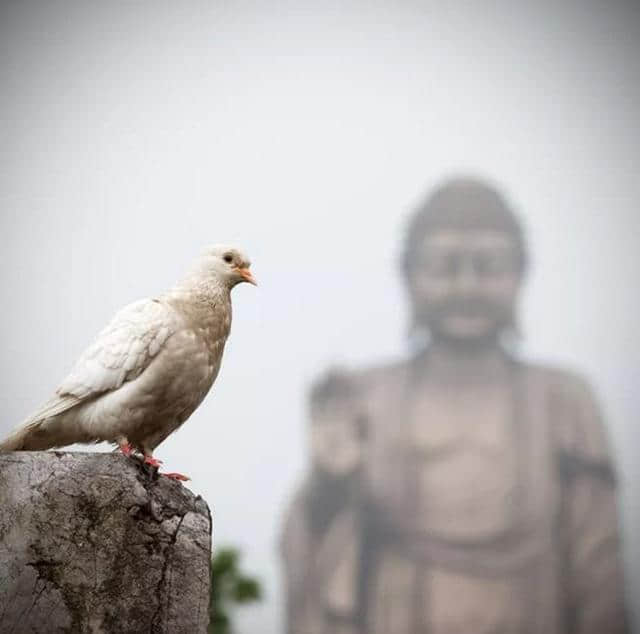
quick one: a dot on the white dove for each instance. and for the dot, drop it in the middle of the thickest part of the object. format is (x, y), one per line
(148, 370)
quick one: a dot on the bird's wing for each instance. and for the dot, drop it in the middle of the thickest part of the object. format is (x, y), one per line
(120, 353)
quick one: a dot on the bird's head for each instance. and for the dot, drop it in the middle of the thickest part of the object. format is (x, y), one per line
(229, 264)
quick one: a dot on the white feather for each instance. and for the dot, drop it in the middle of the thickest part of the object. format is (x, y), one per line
(122, 350)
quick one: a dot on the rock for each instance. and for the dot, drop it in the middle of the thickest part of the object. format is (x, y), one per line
(96, 543)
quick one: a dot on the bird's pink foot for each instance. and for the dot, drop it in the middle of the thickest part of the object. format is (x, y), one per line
(176, 476)
(151, 461)
(126, 448)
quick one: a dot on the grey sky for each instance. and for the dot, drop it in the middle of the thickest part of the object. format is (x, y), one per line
(133, 133)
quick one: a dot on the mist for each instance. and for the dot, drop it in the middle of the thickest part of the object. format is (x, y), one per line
(134, 134)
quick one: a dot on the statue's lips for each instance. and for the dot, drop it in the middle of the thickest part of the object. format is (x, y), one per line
(468, 312)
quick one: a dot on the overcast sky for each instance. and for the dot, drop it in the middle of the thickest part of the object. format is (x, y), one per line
(134, 133)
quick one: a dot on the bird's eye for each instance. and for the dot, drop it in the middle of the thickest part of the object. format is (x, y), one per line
(228, 258)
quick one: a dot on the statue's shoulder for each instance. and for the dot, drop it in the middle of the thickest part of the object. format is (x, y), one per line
(380, 375)
(561, 382)
(574, 413)
(294, 523)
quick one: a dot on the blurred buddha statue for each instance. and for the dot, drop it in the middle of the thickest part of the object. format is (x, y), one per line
(463, 490)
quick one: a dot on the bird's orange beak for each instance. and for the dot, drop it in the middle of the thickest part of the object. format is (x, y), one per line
(247, 277)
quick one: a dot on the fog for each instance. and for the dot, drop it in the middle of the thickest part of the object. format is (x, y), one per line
(133, 134)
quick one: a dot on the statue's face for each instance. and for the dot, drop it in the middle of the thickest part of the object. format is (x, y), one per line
(465, 283)
(336, 445)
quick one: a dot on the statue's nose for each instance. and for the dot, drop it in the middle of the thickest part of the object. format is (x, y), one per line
(466, 276)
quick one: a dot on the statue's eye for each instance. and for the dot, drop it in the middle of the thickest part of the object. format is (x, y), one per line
(228, 258)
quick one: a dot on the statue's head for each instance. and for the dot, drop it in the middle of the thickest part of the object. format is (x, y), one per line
(464, 261)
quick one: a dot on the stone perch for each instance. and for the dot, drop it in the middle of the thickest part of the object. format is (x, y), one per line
(95, 543)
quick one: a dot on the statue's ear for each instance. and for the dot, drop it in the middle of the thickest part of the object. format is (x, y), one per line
(511, 333)
(362, 426)
(418, 337)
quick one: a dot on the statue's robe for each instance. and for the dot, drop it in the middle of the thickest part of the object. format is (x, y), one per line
(510, 532)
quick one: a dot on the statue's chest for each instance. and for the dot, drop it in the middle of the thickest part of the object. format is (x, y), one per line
(441, 422)
(456, 461)
(462, 452)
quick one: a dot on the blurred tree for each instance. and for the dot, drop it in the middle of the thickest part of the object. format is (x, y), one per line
(229, 586)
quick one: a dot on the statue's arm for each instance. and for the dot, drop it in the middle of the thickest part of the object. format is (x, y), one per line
(319, 525)
(595, 590)
(295, 557)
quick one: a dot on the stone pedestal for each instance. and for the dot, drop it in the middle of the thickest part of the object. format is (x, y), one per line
(95, 543)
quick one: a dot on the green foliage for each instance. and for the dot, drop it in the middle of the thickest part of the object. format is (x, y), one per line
(229, 587)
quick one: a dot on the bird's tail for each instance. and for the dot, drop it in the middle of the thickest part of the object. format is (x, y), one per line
(19, 439)
(40, 434)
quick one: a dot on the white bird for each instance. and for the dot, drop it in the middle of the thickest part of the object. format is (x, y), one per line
(148, 370)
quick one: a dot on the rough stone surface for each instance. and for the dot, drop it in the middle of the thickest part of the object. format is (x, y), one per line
(95, 543)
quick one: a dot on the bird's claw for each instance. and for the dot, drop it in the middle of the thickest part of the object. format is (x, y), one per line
(176, 476)
(151, 461)
(154, 462)
(126, 449)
